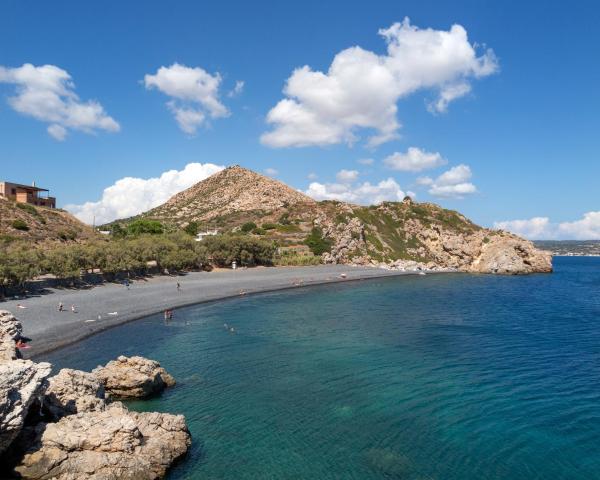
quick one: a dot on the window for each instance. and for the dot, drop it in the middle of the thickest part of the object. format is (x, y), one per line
(13, 191)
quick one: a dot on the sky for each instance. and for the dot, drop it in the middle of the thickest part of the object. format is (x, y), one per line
(485, 107)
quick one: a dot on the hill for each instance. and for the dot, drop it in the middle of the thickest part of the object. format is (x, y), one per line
(392, 233)
(20, 221)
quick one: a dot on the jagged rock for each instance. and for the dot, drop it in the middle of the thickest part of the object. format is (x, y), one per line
(112, 444)
(509, 254)
(21, 383)
(10, 326)
(133, 377)
(73, 391)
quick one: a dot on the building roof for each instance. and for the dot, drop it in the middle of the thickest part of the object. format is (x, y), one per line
(30, 187)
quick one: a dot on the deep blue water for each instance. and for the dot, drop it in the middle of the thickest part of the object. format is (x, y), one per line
(421, 377)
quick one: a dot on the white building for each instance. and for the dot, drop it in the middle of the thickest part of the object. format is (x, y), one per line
(209, 233)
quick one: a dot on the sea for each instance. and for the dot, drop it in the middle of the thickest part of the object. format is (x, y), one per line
(441, 376)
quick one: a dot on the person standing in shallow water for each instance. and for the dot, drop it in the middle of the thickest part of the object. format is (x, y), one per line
(178, 287)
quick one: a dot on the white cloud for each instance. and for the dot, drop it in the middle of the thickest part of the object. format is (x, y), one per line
(194, 94)
(539, 228)
(237, 90)
(414, 160)
(360, 90)
(130, 196)
(453, 183)
(364, 193)
(312, 176)
(346, 176)
(47, 93)
(366, 161)
(271, 171)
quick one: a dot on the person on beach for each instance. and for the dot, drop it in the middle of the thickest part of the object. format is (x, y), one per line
(126, 282)
(60, 307)
(178, 287)
(73, 308)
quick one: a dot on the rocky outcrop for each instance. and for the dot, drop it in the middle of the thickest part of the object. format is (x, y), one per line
(63, 427)
(73, 391)
(133, 377)
(112, 444)
(21, 383)
(509, 254)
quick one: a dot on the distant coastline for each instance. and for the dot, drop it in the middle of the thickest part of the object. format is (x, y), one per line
(570, 248)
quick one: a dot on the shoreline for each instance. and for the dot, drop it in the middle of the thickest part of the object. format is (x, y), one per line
(109, 305)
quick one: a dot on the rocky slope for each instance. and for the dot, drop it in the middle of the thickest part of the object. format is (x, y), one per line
(40, 224)
(393, 234)
(64, 427)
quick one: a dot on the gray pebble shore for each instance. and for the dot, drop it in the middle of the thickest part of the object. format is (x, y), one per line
(110, 304)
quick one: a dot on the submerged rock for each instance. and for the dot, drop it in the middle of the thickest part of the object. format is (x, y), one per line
(73, 391)
(111, 444)
(133, 377)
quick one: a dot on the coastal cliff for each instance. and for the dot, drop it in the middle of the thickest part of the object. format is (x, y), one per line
(66, 426)
(390, 235)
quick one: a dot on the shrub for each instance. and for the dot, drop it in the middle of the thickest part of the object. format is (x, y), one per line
(317, 243)
(259, 231)
(284, 219)
(269, 226)
(139, 227)
(248, 227)
(224, 249)
(28, 208)
(288, 228)
(297, 260)
(20, 225)
(67, 235)
(192, 229)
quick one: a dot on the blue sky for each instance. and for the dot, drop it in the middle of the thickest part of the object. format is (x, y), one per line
(526, 131)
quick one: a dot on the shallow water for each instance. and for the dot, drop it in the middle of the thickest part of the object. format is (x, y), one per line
(421, 377)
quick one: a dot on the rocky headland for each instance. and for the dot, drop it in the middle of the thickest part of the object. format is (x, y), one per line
(391, 235)
(68, 427)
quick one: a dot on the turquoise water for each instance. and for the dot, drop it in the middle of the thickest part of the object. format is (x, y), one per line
(422, 377)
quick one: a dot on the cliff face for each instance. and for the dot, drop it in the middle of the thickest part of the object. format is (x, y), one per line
(391, 233)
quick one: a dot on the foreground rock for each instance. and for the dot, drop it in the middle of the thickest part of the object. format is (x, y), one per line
(92, 438)
(111, 444)
(73, 391)
(21, 383)
(133, 377)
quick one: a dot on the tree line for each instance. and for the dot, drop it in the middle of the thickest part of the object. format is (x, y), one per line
(137, 255)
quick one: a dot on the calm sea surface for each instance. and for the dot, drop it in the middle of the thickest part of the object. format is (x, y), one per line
(421, 377)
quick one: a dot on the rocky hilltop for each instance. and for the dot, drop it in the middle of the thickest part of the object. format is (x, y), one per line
(67, 426)
(392, 234)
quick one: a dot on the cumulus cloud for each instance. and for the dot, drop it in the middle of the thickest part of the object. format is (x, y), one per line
(366, 161)
(362, 193)
(360, 90)
(47, 93)
(540, 228)
(271, 171)
(453, 183)
(194, 94)
(414, 160)
(312, 176)
(346, 176)
(130, 196)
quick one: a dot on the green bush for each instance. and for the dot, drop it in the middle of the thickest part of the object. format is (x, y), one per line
(288, 228)
(20, 225)
(259, 231)
(317, 243)
(192, 229)
(284, 219)
(248, 227)
(139, 227)
(269, 226)
(28, 208)
(297, 260)
(224, 249)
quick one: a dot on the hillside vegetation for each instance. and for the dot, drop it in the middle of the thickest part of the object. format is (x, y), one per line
(20, 221)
